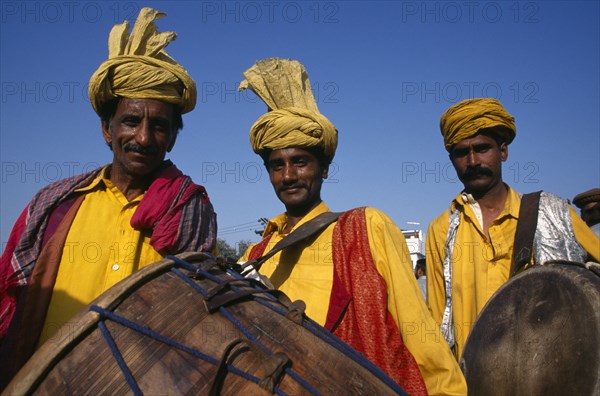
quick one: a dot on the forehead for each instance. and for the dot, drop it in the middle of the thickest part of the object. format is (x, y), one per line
(152, 107)
(591, 205)
(475, 140)
(288, 153)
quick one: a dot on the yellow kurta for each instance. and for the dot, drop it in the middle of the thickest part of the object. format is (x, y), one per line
(100, 250)
(306, 272)
(480, 264)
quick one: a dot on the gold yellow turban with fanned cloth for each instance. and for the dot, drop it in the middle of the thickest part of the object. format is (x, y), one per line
(138, 67)
(466, 118)
(293, 119)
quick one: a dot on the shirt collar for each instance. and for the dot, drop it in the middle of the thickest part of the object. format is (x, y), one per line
(277, 224)
(103, 181)
(100, 179)
(511, 205)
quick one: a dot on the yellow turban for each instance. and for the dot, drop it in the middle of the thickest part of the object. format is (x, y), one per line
(293, 119)
(466, 118)
(139, 67)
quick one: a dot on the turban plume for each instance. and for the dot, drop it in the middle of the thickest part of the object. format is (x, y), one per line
(293, 119)
(139, 67)
(468, 117)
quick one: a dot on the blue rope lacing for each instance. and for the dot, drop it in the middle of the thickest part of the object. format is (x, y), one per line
(267, 301)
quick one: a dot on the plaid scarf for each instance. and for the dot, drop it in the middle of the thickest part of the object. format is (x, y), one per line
(188, 223)
(41, 206)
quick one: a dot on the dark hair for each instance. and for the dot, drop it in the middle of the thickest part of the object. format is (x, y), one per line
(421, 265)
(108, 110)
(498, 133)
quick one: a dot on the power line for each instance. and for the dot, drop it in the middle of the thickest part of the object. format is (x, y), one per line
(242, 225)
(255, 226)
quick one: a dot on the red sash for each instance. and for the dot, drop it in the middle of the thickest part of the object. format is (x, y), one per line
(366, 324)
(357, 312)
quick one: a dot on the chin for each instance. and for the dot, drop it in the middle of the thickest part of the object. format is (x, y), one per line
(142, 170)
(293, 204)
(291, 199)
(477, 188)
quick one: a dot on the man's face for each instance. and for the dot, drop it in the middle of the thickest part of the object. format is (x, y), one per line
(140, 134)
(590, 213)
(296, 176)
(478, 163)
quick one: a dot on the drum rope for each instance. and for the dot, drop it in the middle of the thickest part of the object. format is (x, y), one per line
(231, 318)
(120, 361)
(106, 314)
(321, 332)
(310, 325)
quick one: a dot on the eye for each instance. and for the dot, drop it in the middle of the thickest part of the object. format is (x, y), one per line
(301, 161)
(482, 148)
(131, 122)
(460, 152)
(162, 127)
(275, 165)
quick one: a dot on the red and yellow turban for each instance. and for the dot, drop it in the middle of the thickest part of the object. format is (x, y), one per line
(293, 119)
(139, 67)
(466, 118)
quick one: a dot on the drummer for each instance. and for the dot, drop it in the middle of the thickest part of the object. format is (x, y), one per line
(589, 203)
(81, 235)
(355, 276)
(479, 227)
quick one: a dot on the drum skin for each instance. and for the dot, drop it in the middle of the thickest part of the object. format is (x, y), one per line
(80, 361)
(539, 334)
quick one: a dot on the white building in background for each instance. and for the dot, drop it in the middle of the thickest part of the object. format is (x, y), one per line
(416, 245)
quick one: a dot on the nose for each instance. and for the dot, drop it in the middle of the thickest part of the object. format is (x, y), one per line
(289, 174)
(144, 136)
(472, 158)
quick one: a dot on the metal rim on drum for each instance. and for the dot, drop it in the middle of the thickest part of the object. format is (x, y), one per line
(538, 334)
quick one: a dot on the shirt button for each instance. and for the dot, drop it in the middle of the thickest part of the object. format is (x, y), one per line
(115, 267)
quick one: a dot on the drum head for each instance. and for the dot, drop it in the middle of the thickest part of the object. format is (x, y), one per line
(185, 326)
(539, 334)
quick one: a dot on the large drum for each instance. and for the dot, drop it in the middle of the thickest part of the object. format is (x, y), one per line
(539, 334)
(185, 325)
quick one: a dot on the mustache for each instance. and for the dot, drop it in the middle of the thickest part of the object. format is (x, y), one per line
(477, 171)
(150, 150)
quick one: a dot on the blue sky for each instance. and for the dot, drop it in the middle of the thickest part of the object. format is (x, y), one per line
(382, 72)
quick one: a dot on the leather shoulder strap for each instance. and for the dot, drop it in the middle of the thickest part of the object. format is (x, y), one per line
(523, 245)
(306, 230)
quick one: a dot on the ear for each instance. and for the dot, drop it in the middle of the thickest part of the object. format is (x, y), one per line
(172, 144)
(325, 172)
(106, 132)
(504, 151)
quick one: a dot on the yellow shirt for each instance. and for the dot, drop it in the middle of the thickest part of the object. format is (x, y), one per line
(480, 265)
(306, 272)
(101, 249)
